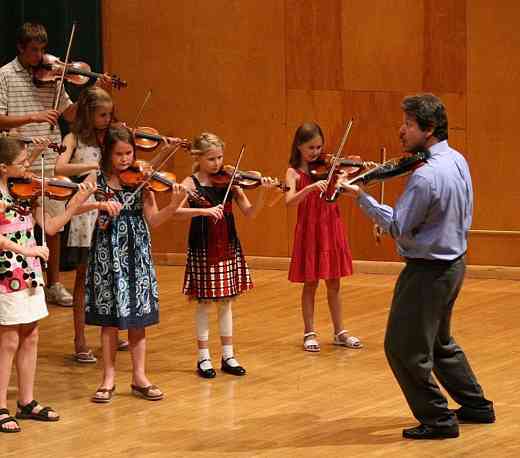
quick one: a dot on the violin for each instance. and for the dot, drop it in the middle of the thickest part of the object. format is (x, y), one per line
(50, 69)
(246, 180)
(389, 169)
(29, 188)
(149, 138)
(135, 175)
(320, 168)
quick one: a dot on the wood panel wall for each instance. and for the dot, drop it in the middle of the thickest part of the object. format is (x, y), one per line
(252, 71)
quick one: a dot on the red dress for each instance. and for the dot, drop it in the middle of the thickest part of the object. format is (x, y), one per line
(320, 249)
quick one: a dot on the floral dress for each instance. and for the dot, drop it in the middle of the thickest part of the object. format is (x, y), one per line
(22, 299)
(82, 226)
(121, 285)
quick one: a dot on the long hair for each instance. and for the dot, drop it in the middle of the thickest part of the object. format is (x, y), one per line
(88, 101)
(303, 134)
(201, 144)
(114, 135)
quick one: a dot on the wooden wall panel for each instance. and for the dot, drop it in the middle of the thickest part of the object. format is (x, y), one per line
(253, 71)
(218, 69)
(493, 111)
(444, 46)
(383, 45)
(313, 51)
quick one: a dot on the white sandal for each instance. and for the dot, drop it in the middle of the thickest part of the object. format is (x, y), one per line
(349, 342)
(310, 343)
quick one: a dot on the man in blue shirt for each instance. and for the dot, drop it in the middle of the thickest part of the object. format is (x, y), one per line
(430, 224)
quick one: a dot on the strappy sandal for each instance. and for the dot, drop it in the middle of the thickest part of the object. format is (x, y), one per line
(144, 392)
(349, 341)
(103, 399)
(310, 343)
(8, 419)
(26, 412)
(85, 357)
(122, 345)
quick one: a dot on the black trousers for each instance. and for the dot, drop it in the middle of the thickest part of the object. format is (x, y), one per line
(418, 341)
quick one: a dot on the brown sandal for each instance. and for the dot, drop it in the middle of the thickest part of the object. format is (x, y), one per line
(101, 399)
(85, 357)
(144, 392)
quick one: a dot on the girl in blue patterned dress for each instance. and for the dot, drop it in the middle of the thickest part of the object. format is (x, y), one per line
(121, 285)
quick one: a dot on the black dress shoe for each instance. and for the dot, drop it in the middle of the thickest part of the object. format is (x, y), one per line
(205, 373)
(233, 370)
(431, 432)
(467, 415)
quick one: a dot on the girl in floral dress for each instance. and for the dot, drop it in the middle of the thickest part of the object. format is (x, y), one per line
(121, 287)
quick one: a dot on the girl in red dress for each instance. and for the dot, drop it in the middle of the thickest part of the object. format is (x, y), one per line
(320, 249)
(216, 270)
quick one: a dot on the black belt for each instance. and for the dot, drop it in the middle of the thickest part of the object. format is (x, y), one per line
(434, 262)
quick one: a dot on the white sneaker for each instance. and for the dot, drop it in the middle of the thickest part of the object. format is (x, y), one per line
(57, 294)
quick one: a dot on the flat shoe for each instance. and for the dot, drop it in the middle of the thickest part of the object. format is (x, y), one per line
(144, 392)
(85, 357)
(205, 373)
(8, 419)
(122, 345)
(233, 370)
(430, 432)
(465, 415)
(102, 399)
(349, 341)
(310, 343)
(26, 412)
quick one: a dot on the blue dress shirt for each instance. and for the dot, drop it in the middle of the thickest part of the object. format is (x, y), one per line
(432, 217)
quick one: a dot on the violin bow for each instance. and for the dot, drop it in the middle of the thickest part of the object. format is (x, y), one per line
(234, 174)
(335, 159)
(145, 101)
(44, 237)
(138, 117)
(62, 78)
(378, 231)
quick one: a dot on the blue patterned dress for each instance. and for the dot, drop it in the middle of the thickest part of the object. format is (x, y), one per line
(121, 285)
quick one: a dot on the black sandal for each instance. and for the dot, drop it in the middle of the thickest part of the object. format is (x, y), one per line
(3, 421)
(26, 412)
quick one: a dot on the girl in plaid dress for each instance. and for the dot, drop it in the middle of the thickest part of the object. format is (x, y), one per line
(216, 270)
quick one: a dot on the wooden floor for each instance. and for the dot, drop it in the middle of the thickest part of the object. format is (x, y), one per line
(340, 402)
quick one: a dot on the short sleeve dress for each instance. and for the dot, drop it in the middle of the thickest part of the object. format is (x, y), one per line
(22, 299)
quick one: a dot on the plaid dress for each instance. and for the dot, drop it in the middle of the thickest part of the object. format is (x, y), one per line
(215, 265)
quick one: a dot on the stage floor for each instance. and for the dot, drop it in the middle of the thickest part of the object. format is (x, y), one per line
(339, 402)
